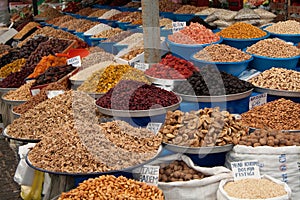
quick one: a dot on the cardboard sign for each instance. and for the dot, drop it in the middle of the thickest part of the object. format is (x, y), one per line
(154, 127)
(245, 169)
(141, 66)
(149, 174)
(257, 100)
(177, 26)
(54, 93)
(35, 92)
(10, 33)
(75, 61)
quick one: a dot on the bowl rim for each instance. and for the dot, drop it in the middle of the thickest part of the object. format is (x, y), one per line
(222, 63)
(249, 39)
(271, 58)
(193, 45)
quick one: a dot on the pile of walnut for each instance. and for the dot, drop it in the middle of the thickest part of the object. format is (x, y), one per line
(202, 128)
(178, 171)
(273, 138)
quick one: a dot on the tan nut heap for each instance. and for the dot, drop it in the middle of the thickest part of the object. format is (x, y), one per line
(205, 127)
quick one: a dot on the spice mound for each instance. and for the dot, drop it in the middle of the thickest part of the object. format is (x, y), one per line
(241, 30)
(278, 79)
(285, 27)
(221, 53)
(203, 128)
(171, 67)
(210, 82)
(194, 34)
(134, 95)
(178, 171)
(110, 187)
(260, 189)
(88, 147)
(280, 114)
(269, 137)
(274, 48)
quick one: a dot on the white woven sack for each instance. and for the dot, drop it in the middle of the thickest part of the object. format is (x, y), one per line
(205, 188)
(222, 195)
(282, 163)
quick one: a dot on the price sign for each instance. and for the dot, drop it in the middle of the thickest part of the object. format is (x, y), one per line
(257, 100)
(177, 26)
(10, 33)
(154, 127)
(245, 169)
(149, 174)
(141, 66)
(54, 93)
(35, 92)
(75, 61)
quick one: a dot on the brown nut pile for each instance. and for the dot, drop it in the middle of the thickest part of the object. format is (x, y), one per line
(34, 100)
(202, 128)
(98, 13)
(274, 48)
(49, 13)
(133, 16)
(107, 33)
(12, 67)
(133, 53)
(59, 20)
(178, 171)
(4, 48)
(285, 27)
(28, 27)
(251, 188)
(88, 147)
(168, 6)
(221, 53)
(119, 16)
(86, 11)
(20, 94)
(110, 187)
(280, 114)
(278, 79)
(268, 137)
(189, 9)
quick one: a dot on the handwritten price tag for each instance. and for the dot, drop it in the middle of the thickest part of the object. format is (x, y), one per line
(245, 169)
(75, 61)
(177, 26)
(35, 92)
(149, 174)
(257, 100)
(54, 93)
(154, 127)
(141, 66)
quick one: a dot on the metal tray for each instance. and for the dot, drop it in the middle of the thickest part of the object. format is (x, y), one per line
(18, 139)
(128, 169)
(198, 150)
(252, 129)
(96, 95)
(275, 92)
(12, 102)
(76, 82)
(230, 97)
(15, 115)
(165, 81)
(139, 113)
(4, 90)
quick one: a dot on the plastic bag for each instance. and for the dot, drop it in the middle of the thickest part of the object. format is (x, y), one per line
(264, 14)
(246, 13)
(226, 15)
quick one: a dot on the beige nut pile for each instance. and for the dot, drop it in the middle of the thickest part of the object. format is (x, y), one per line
(285, 27)
(205, 127)
(279, 79)
(110, 187)
(20, 94)
(280, 114)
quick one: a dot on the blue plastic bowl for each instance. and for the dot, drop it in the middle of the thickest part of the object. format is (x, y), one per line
(102, 6)
(56, 27)
(169, 15)
(64, 29)
(117, 48)
(87, 39)
(96, 41)
(93, 19)
(131, 26)
(79, 34)
(243, 43)
(107, 46)
(186, 50)
(294, 38)
(165, 32)
(202, 16)
(104, 21)
(184, 17)
(71, 31)
(233, 68)
(263, 63)
(112, 23)
(122, 25)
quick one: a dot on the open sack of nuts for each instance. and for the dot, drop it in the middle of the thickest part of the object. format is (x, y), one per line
(180, 178)
(265, 188)
(279, 162)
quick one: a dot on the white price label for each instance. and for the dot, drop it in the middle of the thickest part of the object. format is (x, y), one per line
(35, 92)
(149, 174)
(54, 93)
(177, 26)
(10, 33)
(75, 61)
(154, 127)
(141, 66)
(245, 169)
(257, 100)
